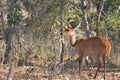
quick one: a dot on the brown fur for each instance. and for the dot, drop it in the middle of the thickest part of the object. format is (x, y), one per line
(95, 46)
(98, 47)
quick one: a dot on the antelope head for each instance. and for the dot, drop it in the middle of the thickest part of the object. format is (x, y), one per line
(69, 31)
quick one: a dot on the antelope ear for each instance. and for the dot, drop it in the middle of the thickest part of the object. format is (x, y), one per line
(69, 26)
(78, 26)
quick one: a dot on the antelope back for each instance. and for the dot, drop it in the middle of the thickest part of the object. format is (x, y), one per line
(95, 46)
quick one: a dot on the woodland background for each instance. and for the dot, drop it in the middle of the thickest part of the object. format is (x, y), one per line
(32, 47)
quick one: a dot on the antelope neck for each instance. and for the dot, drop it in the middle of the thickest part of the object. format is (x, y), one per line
(73, 41)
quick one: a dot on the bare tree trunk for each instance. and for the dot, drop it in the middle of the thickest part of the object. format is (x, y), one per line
(11, 71)
(5, 34)
(8, 33)
(62, 43)
(8, 45)
(86, 25)
(2, 20)
(99, 6)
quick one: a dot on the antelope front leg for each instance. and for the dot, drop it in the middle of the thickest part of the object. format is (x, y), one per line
(86, 61)
(80, 63)
(87, 64)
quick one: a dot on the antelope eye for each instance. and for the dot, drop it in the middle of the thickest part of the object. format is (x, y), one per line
(67, 30)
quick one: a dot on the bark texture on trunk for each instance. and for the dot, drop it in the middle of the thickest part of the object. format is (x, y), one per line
(61, 29)
(86, 24)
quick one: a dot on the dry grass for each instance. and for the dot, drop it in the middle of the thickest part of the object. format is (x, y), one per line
(56, 71)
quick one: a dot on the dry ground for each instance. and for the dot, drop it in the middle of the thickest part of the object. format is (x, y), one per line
(52, 71)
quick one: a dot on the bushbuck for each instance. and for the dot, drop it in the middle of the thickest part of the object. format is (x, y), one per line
(97, 47)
